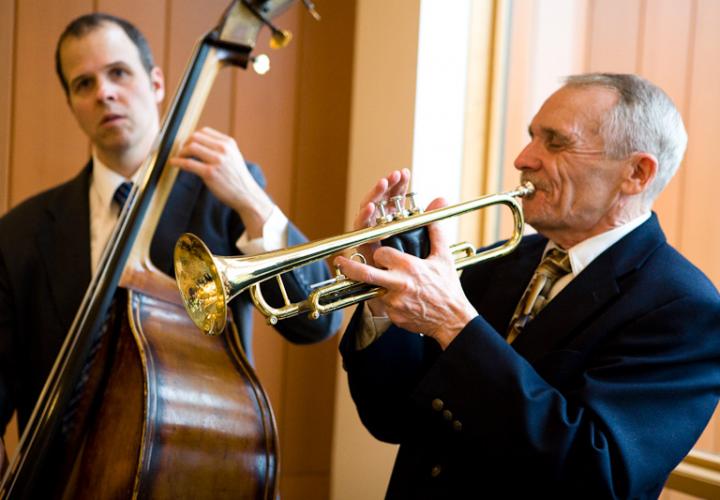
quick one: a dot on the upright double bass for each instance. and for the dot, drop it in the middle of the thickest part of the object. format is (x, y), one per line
(175, 414)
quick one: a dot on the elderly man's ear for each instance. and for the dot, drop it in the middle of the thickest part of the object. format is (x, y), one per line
(642, 169)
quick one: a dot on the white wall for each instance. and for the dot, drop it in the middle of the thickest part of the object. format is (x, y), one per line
(440, 102)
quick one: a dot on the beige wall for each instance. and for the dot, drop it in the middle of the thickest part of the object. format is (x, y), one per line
(380, 140)
(292, 121)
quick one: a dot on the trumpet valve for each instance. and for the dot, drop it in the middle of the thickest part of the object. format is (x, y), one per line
(399, 202)
(383, 217)
(412, 201)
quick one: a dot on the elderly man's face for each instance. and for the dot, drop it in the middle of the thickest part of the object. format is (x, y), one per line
(111, 94)
(578, 190)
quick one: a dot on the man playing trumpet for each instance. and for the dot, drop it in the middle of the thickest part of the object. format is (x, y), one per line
(584, 364)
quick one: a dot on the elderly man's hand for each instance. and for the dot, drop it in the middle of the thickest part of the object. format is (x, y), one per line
(215, 158)
(396, 183)
(422, 295)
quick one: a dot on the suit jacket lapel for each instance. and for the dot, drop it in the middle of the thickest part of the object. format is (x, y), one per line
(594, 288)
(65, 245)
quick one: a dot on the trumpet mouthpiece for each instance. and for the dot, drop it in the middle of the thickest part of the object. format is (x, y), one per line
(526, 189)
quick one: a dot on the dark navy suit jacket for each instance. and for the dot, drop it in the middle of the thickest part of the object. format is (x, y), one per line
(603, 393)
(45, 270)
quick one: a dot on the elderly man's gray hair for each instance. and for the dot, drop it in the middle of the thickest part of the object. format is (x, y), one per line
(643, 120)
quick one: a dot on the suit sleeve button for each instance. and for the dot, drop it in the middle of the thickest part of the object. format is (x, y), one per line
(435, 472)
(447, 415)
(457, 425)
(437, 404)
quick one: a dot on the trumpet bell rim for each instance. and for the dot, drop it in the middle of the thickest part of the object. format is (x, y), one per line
(200, 285)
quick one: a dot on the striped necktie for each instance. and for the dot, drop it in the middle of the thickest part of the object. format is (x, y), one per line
(555, 265)
(121, 193)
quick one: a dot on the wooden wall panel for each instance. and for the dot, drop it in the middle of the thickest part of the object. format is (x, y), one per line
(323, 119)
(665, 60)
(381, 134)
(543, 55)
(187, 21)
(264, 110)
(559, 45)
(518, 110)
(614, 29)
(149, 17)
(699, 237)
(7, 35)
(322, 131)
(48, 147)
(309, 388)
(517, 114)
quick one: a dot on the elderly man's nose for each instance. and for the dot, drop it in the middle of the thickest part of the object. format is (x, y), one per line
(527, 158)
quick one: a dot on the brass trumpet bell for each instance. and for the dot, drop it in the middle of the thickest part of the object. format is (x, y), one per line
(201, 285)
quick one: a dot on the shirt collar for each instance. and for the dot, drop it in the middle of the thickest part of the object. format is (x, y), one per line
(582, 254)
(105, 181)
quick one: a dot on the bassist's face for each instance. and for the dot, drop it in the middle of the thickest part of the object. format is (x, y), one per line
(114, 99)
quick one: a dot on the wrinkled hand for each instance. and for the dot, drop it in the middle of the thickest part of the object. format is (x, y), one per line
(396, 183)
(216, 159)
(422, 295)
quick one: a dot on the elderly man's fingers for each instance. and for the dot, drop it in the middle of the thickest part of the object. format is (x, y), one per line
(376, 193)
(439, 243)
(364, 217)
(398, 185)
(367, 274)
(391, 258)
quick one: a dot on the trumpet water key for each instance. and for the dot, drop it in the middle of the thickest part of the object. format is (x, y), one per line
(207, 282)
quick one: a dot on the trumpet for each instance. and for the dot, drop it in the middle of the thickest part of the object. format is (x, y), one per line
(208, 282)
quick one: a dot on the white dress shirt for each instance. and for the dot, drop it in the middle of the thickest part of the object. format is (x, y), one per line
(582, 254)
(104, 214)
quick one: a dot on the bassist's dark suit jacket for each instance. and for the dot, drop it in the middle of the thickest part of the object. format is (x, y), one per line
(602, 394)
(45, 270)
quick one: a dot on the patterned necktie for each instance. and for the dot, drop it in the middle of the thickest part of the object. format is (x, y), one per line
(555, 265)
(121, 193)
